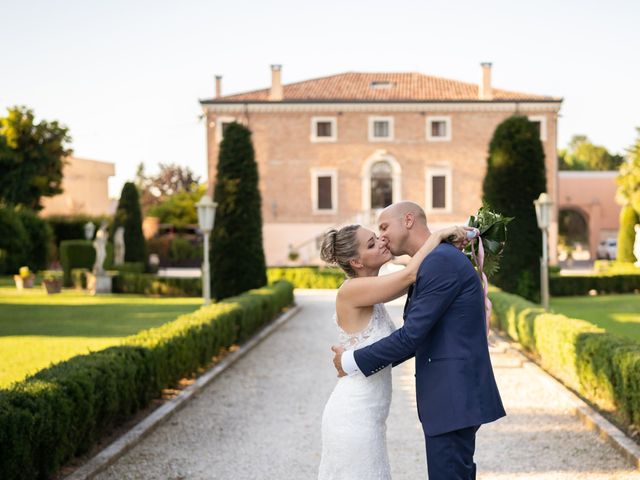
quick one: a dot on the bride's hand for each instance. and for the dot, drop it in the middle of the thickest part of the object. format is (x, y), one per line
(456, 235)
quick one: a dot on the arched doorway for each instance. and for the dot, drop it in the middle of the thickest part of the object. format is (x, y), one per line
(381, 185)
(573, 232)
(381, 177)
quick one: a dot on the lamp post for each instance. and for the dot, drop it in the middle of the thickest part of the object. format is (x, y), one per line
(206, 217)
(543, 213)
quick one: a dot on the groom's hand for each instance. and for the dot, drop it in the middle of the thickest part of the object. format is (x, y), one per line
(337, 360)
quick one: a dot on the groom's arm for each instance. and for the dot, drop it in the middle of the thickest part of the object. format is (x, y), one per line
(436, 287)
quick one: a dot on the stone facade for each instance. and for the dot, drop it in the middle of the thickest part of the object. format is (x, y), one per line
(291, 157)
(86, 189)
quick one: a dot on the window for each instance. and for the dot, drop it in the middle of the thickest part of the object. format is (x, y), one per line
(439, 129)
(324, 195)
(324, 129)
(438, 190)
(381, 85)
(380, 129)
(222, 123)
(540, 121)
(381, 185)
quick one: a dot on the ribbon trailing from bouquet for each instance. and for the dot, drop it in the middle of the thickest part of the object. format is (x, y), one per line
(479, 261)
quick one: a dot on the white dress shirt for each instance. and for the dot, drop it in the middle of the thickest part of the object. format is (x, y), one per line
(349, 364)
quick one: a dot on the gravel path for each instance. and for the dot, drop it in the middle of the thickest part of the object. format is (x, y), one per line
(261, 419)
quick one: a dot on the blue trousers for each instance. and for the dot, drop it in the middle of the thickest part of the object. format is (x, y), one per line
(450, 455)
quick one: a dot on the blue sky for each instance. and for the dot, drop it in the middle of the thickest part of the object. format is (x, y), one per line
(126, 76)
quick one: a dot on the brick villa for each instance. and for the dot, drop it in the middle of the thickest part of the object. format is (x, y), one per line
(336, 149)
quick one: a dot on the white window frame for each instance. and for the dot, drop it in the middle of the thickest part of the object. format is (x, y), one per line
(219, 122)
(314, 130)
(324, 172)
(438, 171)
(391, 129)
(447, 122)
(543, 125)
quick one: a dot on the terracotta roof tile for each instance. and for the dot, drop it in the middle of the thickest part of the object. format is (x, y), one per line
(353, 86)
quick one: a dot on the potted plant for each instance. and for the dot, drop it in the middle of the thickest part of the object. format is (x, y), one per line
(52, 281)
(24, 279)
(293, 253)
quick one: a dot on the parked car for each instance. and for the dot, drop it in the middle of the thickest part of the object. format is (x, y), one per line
(607, 249)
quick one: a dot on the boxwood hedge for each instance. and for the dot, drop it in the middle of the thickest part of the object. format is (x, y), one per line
(61, 411)
(601, 367)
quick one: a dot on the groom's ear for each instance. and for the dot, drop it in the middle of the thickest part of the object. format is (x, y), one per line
(409, 220)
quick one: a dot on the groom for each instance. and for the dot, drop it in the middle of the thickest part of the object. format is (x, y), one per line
(444, 327)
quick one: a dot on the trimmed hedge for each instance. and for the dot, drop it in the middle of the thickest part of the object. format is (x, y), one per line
(152, 284)
(307, 277)
(61, 411)
(76, 254)
(602, 282)
(603, 368)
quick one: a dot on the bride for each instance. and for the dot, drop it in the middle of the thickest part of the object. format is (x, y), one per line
(354, 445)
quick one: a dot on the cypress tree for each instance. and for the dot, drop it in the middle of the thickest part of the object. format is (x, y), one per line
(627, 234)
(129, 216)
(515, 178)
(237, 255)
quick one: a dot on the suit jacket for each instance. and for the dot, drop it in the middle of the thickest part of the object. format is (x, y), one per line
(444, 327)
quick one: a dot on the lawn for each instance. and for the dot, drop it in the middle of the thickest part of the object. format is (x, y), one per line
(619, 314)
(37, 329)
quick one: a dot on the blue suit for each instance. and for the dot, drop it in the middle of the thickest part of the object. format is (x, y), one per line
(444, 327)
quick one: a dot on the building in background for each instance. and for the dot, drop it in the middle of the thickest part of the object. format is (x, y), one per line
(588, 211)
(337, 149)
(85, 187)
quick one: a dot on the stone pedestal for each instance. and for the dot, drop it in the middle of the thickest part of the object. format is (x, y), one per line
(100, 283)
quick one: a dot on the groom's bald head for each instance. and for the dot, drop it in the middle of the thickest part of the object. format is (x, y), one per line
(401, 209)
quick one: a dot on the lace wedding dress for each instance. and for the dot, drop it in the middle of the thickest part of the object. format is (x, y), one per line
(354, 443)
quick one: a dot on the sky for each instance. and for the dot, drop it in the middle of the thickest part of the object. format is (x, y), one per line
(125, 76)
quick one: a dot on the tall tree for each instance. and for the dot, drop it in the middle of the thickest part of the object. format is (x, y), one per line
(31, 158)
(581, 154)
(627, 234)
(237, 258)
(171, 179)
(629, 178)
(129, 216)
(515, 178)
(180, 208)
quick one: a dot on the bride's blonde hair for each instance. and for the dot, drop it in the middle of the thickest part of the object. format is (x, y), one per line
(341, 246)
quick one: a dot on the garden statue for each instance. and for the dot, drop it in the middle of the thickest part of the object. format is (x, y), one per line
(100, 244)
(118, 246)
(636, 245)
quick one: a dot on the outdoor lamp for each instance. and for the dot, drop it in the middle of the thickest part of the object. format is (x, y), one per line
(543, 213)
(206, 218)
(89, 230)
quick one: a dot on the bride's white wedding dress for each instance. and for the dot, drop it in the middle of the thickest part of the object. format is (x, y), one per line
(354, 442)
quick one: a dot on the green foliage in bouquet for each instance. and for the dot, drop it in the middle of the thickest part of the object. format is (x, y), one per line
(493, 234)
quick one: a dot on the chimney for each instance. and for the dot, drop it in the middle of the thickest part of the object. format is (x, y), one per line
(486, 91)
(218, 86)
(276, 83)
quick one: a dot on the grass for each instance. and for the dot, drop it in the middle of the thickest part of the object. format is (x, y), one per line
(37, 329)
(618, 314)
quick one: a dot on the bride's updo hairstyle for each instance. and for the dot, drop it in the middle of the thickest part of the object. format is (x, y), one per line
(341, 246)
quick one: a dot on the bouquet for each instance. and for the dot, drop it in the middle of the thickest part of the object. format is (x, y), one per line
(492, 227)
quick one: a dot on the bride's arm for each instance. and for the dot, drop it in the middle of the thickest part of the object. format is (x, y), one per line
(366, 291)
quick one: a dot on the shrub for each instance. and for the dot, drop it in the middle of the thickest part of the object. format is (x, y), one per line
(151, 284)
(627, 234)
(307, 277)
(40, 245)
(129, 216)
(62, 410)
(515, 178)
(602, 283)
(182, 249)
(237, 258)
(76, 254)
(14, 241)
(603, 368)
(71, 227)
